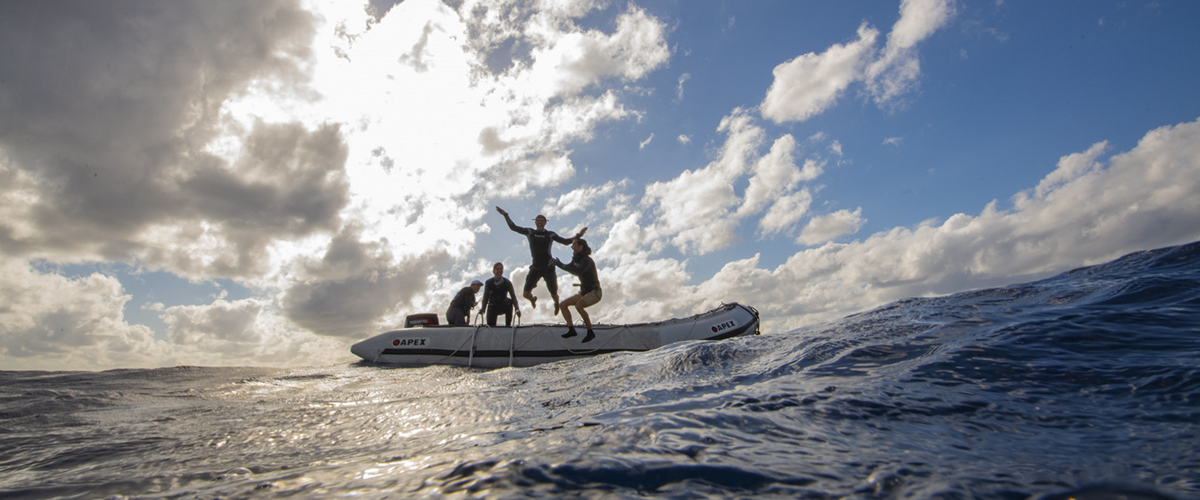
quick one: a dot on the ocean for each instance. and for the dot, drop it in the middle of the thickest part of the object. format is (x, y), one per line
(1084, 385)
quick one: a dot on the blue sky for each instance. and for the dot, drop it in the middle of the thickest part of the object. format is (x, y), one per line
(264, 183)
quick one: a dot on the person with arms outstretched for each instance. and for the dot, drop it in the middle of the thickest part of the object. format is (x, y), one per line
(499, 297)
(540, 241)
(584, 267)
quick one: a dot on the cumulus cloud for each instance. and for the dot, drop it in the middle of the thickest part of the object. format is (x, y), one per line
(78, 323)
(830, 226)
(578, 59)
(775, 173)
(332, 159)
(898, 69)
(70, 322)
(785, 212)
(580, 199)
(1087, 211)
(133, 155)
(812, 83)
(340, 164)
(693, 209)
(700, 210)
(243, 332)
(350, 289)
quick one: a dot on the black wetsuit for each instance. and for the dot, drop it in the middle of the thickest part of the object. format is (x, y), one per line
(539, 248)
(460, 307)
(584, 267)
(496, 300)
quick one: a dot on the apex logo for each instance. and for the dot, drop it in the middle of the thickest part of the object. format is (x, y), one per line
(723, 326)
(408, 342)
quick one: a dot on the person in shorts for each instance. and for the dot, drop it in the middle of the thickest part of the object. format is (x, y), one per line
(584, 268)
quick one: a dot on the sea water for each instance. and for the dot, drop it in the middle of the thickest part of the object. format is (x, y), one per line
(1084, 385)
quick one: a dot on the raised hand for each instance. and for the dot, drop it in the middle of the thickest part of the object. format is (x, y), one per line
(502, 212)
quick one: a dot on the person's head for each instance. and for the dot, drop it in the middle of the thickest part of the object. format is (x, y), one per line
(580, 246)
(540, 222)
(476, 285)
(498, 270)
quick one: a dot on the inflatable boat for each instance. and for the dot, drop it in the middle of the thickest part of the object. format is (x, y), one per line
(422, 342)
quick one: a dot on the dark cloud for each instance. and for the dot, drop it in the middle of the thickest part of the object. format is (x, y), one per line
(110, 105)
(356, 283)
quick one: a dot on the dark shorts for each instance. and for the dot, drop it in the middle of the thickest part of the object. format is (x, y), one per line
(546, 273)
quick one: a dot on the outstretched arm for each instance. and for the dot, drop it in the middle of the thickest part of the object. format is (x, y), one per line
(511, 225)
(567, 241)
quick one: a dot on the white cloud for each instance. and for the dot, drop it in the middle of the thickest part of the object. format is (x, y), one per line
(679, 88)
(785, 212)
(1083, 214)
(811, 83)
(580, 199)
(693, 209)
(576, 60)
(774, 174)
(643, 144)
(74, 323)
(899, 68)
(244, 332)
(1072, 167)
(894, 141)
(684, 139)
(830, 226)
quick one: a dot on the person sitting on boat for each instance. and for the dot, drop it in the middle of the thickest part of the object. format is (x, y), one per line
(499, 297)
(540, 241)
(464, 301)
(584, 267)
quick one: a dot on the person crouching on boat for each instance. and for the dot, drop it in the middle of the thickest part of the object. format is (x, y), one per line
(462, 304)
(499, 297)
(584, 268)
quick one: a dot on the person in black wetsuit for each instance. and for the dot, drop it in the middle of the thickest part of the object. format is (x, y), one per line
(584, 267)
(540, 241)
(464, 301)
(499, 297)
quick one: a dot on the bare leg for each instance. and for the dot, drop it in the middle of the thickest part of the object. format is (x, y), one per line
(567, 316)
(587, 321)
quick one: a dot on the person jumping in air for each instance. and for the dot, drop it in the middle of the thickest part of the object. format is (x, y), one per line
(540, 241)
(584, 267)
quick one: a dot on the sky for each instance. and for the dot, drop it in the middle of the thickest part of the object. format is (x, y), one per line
(264, 183)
